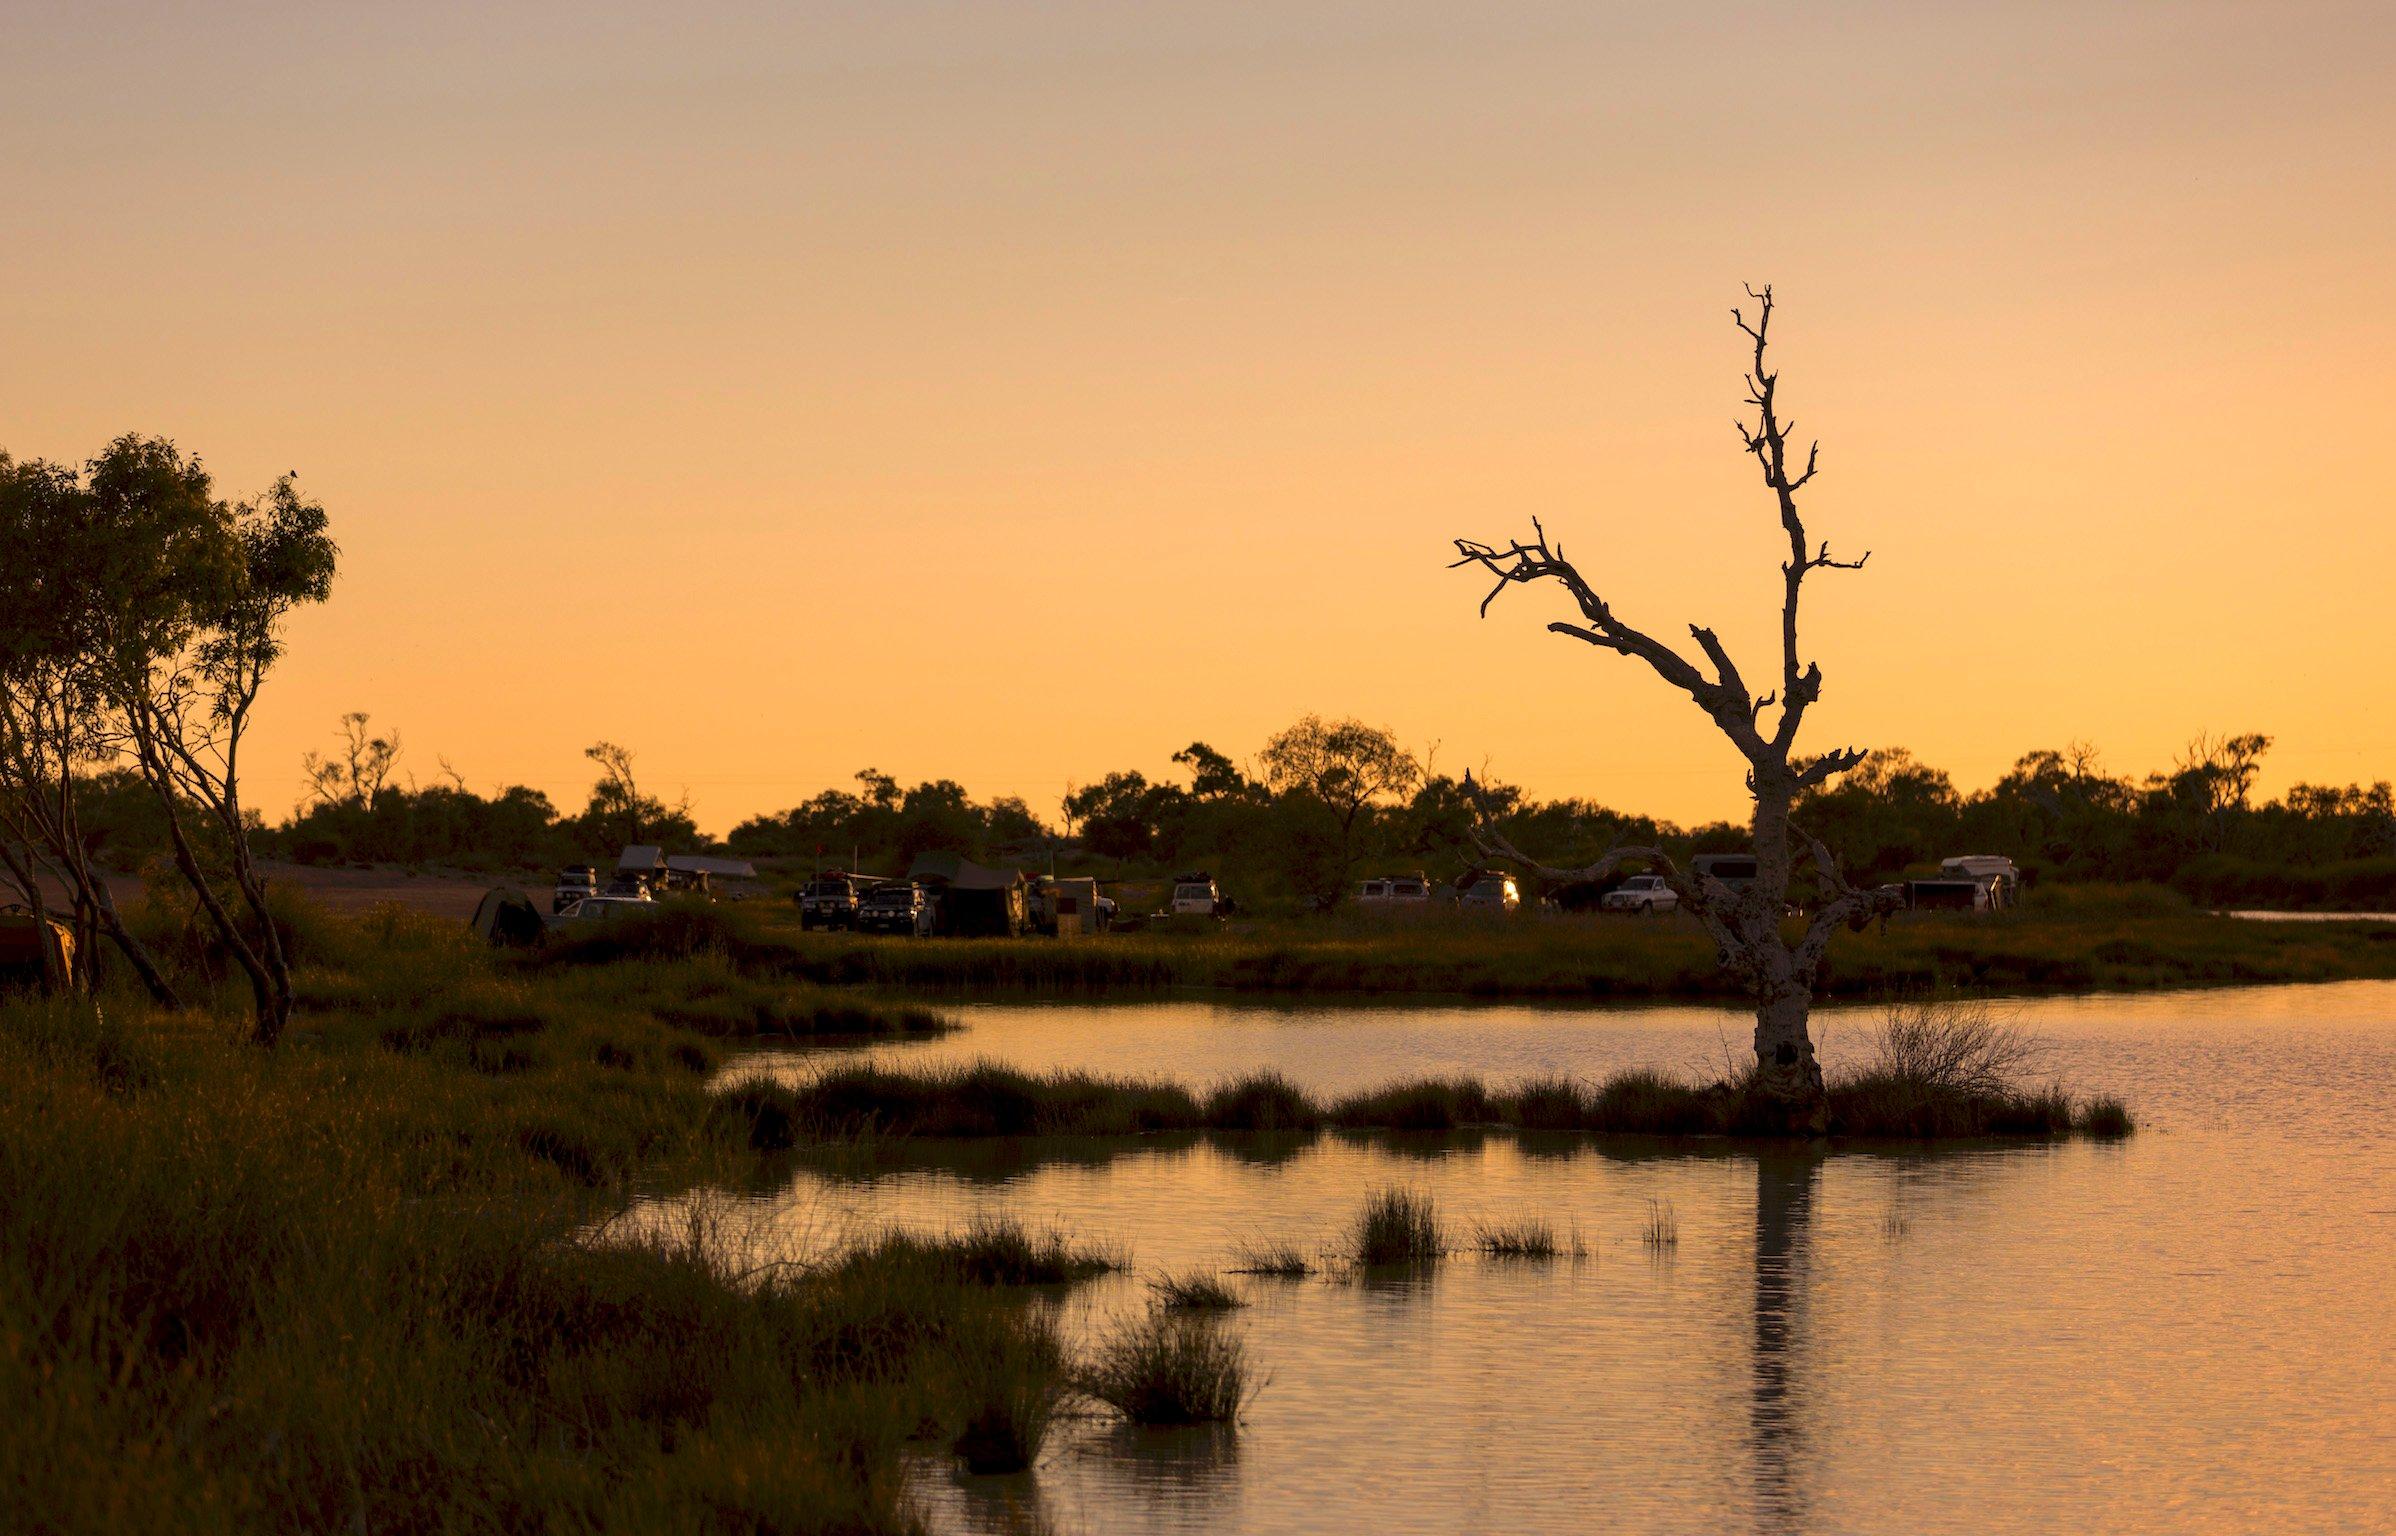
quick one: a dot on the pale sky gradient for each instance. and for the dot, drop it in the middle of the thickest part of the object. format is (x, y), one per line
(1016, 392)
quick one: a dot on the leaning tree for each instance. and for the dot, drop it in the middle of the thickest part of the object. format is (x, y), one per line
(1776, 959)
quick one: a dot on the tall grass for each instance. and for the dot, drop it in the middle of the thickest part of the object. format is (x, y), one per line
(365, 1281)
(1168, 1368)
(1662, 1232)
(1526, 1237)
(1397, 1226)
(1270, 1257)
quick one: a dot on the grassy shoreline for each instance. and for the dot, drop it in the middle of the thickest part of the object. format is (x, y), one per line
(372, 1278)
(1577, 959)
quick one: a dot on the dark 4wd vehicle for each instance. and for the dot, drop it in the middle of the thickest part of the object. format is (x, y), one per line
(832, 900)
(902, 908)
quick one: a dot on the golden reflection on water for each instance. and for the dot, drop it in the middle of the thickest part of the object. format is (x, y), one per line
(2188, 1332)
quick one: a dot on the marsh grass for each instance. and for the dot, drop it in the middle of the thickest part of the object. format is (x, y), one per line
(1196, 1291)
(1270, 1258)
(1397, 1226)
(369, 1280)
(1166, 1368)
(1662, 1231)
(1919, 1083)
(2104, 1117)
(1527, 1237)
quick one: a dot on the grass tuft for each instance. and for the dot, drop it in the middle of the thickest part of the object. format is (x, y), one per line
(1276, 1260)
(1663, 1230)
(2106, 1118)
(1527, 1237)
(1197, 1291)
(1397, 1226)
(1169, 1368)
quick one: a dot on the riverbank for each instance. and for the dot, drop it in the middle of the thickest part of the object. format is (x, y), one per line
(2088, 945)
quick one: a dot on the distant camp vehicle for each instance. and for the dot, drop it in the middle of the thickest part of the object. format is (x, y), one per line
(574, 882)
(1395, 891)
(2008, 890)
(23, 939)
(1952, 893)
(592, 909)
(1064, 905)
(1643, 894)
(1488, 890)
(1738, 871)
(640, 871)
(831, 899)
(1195, 895)
(900, 907)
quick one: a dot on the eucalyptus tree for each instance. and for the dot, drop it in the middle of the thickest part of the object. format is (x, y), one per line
(186, 598)
(1777, 962)
(52, 724)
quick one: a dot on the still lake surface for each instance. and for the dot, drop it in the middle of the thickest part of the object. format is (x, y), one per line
(2191, 1331)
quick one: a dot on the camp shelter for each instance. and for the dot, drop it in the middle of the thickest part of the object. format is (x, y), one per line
(973, 901)
(29, 944)
(507, 917)
(1066, 905)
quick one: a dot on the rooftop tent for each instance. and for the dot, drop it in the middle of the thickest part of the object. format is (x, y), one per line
(641, 859)
(954, 871)
(710, 866)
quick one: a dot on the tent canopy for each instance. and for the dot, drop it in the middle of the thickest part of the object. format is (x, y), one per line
(959, 873)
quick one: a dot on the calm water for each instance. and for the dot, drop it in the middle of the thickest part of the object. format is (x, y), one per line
(2192, 1331)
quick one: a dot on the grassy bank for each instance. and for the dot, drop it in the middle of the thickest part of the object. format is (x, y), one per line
(2096, 941)
(356, 1283)
(1936, 1071)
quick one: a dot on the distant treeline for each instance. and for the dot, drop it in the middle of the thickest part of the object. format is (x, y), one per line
(1326, 802)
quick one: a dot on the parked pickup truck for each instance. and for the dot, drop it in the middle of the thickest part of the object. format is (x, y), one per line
(901, 907)
(1643, 894)
(574, 882)
(832, 900)
(1195, 895)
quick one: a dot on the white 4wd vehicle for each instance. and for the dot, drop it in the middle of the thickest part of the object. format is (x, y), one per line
(1643, 894)
(1196, 896)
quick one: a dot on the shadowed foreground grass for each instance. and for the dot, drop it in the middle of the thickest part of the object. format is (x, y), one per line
(368, 1281)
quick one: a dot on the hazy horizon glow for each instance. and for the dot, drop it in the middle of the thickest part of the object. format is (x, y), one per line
(1017, 394)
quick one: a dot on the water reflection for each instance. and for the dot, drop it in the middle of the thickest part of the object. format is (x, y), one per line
(1841, 1341)
(1776, 1407)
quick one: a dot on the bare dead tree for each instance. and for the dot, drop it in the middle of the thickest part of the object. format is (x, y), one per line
(1749, 927)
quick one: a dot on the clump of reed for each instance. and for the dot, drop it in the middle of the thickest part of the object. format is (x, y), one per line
(1194, 1291)
(1945, 1067)
(1010, 1384)
(1261, 1101)
(1527, 1237)
(2104, 1117)
(1271, 1258)
(1001, 1250)
(1662, 1232)
(1166, 1368)
(1397, 1226)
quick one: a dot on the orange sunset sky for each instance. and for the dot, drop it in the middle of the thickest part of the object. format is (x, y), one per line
(1016, 392)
